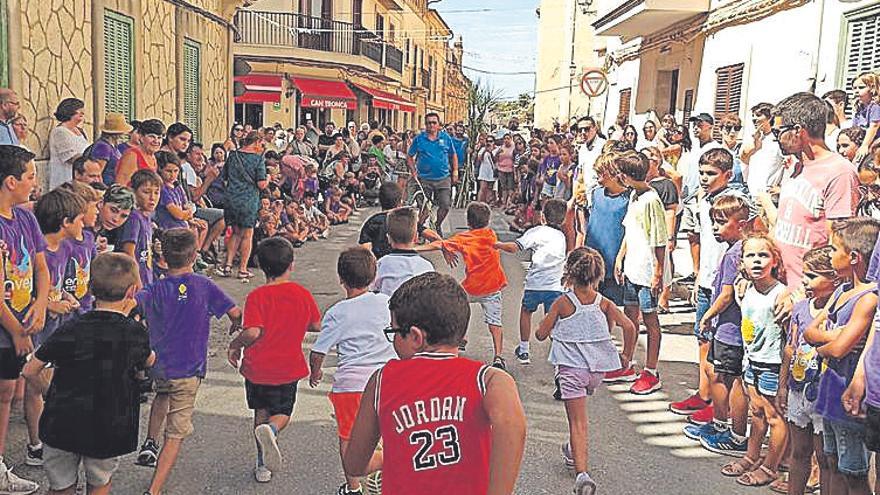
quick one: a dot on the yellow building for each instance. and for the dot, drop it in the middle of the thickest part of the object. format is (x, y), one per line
(340, 61)
(566, 50)
(165, 59)
(456, 87)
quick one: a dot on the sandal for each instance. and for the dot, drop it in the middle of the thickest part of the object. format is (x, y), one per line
(244, 275)
(739, 467)
(759, 477)
(780, 485)
(223, 271)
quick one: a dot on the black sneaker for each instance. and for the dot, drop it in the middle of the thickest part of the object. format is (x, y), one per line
(462, 346)
(149, 454)
(34, 455)
(522, 356)
(345, 490)
(498, 362)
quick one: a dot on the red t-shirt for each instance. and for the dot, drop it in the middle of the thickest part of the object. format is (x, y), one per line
(284, 313)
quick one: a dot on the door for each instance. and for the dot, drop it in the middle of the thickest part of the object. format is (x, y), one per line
(666, 92)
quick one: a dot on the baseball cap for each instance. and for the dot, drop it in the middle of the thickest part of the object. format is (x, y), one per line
(702, 117)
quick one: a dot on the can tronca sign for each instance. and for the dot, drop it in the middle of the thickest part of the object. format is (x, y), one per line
(319, 103)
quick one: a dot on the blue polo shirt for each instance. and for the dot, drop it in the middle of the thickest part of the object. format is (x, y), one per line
(432, 157)
(7, 134)
(460, 146)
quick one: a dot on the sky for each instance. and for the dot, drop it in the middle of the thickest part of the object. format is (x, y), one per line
(503, 38)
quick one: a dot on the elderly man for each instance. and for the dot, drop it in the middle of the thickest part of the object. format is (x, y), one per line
(87, 170)
(9, 105)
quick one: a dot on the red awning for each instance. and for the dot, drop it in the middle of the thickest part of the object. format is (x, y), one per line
(261, 88)
(318, 93)
(388, 101)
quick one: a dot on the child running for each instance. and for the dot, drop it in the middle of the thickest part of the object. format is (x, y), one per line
(402, 262)
(484, 276)
(276, 319)
(839, 334)
(544, 278)
(764, 339)
(354, 327)
(448, 425)
(582, 351)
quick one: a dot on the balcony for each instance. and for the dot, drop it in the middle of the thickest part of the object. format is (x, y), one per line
(634, 18)
(426, 79)
(394, 58)
(370, 45)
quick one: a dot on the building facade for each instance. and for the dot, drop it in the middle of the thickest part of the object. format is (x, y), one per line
(566, 50)
(340, 61)
(457, 86)
(725, 56)
(165, 59)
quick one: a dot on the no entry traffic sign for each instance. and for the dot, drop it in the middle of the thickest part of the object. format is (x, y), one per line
(594, 82)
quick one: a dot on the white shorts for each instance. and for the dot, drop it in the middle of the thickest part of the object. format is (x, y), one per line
(491, 305)
(802, 412)
(62, 468)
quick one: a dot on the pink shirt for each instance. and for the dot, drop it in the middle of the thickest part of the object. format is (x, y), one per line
(826, 189)
(505, 158)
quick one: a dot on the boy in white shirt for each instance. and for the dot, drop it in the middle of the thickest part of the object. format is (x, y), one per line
(544, 278)
(355, 326)
(402, 263)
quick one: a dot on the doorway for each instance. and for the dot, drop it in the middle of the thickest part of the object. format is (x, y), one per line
(666, 92)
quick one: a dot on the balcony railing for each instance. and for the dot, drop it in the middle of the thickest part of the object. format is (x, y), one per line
(370, 45)
(394, 58)
(426, 79)
(283, 29)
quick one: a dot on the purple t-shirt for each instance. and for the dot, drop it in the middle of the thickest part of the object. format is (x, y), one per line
(867, 115)
(55, 262)
(548, 169)
(170, 196)
(78, 268)
(102, 150)
(727, 323)
(872, 373)
(178, 310)
(24, 240)
(804, 368)
(139, 230)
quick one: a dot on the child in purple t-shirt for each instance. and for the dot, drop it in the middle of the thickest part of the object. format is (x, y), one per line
(136, 237)
(867, 111)
(83, 249)
(173, 210)
(726, 433)
(178, 311)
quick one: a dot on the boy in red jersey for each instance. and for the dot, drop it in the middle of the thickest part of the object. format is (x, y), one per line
(449, 425)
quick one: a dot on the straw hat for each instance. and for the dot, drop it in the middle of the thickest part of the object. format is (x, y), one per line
(114, 123)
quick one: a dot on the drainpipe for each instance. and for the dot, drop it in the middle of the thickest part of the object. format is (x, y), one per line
(815, 68)
(572, 68)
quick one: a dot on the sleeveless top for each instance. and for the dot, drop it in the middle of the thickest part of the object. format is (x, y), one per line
(582, 339)
(435, 433)
(838, 373)
(804, 369)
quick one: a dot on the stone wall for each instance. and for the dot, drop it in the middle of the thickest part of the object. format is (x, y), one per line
(56, 63)
(216, 85)
(158, 63)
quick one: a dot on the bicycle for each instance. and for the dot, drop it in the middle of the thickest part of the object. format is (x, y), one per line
(420, 201)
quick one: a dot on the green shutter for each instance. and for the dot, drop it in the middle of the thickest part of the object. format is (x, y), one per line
(4, 44)
(119, 64)
(192, 91)
(862, 52)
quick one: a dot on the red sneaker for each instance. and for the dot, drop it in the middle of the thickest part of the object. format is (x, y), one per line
(703, 416)
(621, 375)
(647, 383)
(688, 406)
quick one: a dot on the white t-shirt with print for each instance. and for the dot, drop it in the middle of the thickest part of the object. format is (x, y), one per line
(644, 229)
(548, 257)
(765, 167)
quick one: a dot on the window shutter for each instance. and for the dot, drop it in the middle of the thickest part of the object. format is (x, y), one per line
(625, 100)
(728, 92)
(192, 91)
(862, 54)
(118, 64)
(688, 105)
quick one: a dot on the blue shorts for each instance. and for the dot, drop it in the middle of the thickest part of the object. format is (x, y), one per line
(764, 377)
(534, 298)
(611, 290)
(639, 295)
(704, 301)
(847, 442)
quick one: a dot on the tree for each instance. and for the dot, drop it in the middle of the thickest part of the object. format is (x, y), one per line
(481, 99)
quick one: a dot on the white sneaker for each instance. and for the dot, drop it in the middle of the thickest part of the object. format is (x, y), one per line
(269, 446)
(567, 456)
(584, 485)
(11, 484)
(262, 474)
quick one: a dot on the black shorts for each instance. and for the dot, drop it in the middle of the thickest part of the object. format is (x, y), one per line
(727, 359)
(872, 428)
(10, 364)
(275, 399)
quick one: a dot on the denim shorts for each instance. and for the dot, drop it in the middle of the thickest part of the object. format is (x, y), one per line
(802, 412)
(764, 377)
(704, 301)
(534, 298)
(491, 305)
(639, 295)
(847, 442)
(611, 290)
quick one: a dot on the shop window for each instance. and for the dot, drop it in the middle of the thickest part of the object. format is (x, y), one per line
(192, 87)
(119, 64)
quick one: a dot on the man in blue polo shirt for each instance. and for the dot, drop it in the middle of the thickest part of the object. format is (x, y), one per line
(429, 158)
(9, 105)
(460, 143)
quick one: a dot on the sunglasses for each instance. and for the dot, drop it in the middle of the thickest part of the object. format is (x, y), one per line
(778, 131)
(729, 128)
(585, 129)
(390, 331)
(238, 129)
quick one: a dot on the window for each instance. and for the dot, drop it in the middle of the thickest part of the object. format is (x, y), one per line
(192, 86)
(861, 51)
(118, 64)
(688, 104)
(625, 101)
(728, 89)
(407, 51)
(391, 32)
(380, 25)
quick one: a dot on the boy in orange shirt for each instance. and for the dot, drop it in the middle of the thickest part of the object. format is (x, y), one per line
(484, 277)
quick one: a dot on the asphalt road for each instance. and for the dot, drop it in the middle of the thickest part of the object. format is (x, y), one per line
(636, 445)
